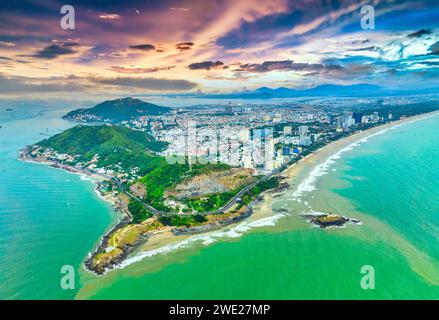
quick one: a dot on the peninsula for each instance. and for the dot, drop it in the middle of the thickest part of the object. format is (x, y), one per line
(197, 191)
(152, 194)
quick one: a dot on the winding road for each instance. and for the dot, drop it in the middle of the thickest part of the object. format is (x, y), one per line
(223, 209)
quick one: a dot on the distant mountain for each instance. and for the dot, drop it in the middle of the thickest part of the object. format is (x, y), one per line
(323, 90)
(116, 111)
(326, 90)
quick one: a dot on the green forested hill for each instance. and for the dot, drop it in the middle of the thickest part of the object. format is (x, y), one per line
(128, 151)
(113, 144)
(116, 111)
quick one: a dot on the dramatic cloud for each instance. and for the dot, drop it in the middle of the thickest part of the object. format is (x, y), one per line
(213, 43)
(287, 65)
(19, 85)
(143, 47)
(419, 33)
(434, 49)
(140, 70)
(179, 9)
(7, 44)
(55, 50)
(206, 65)
(371, 48)
(183, 46)
(109, 16)
(152, 84)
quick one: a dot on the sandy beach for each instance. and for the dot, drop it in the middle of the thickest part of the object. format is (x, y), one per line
(263, 214)
(334, 147)
(296, 176)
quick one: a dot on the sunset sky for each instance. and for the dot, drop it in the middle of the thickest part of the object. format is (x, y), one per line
(209, 46)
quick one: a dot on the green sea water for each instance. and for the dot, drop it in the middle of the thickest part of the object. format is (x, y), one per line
(50, 218)
(390, 182)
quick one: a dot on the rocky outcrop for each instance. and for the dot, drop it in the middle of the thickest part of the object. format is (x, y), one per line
(329, 220)
(212, 226)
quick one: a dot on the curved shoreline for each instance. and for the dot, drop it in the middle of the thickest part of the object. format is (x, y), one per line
(260, 211)
(126, 219)
(323, 154)
(335, 149)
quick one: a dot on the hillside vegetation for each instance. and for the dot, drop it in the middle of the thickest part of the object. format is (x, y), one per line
(167, 176)
(130, 155)
(116, 111)
(113, 144)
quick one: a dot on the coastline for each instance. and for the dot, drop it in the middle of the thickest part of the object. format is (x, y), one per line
(93, 178)
(162, 241)
(262, 214)
(332, 149)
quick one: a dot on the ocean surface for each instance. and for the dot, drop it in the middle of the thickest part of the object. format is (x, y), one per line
(50, 218)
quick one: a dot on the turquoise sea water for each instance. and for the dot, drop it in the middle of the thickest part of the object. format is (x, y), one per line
(389, 182)
(399, 182)
(49, 218)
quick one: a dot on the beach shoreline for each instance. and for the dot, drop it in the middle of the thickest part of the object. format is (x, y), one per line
(332, 148)
(262, 214)
(159, 241)
(95, 179)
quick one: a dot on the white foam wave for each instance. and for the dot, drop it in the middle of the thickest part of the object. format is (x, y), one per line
(204, 239)
(100, 194)
(309, 183)
(85, 177)
(314, 213)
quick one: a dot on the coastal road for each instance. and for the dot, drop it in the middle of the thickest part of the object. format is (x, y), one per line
(223, 209)
(155, 211)
(130, 195)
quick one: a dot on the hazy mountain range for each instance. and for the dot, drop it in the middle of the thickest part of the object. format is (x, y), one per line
(327, 90)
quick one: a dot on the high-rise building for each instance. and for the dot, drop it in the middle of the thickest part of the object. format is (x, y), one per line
(357, 117)
(288, 130)
(285, 150)
(305, 141)
(303, 130)
(375, 116)
(346, 120)
(228, 109)
(244, 135)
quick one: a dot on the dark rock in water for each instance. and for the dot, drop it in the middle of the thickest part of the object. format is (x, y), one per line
(329, 220)
(101, 269)
(212, 226)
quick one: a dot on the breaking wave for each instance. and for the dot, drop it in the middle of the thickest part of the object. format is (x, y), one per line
(204, 239)
(309, 183)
